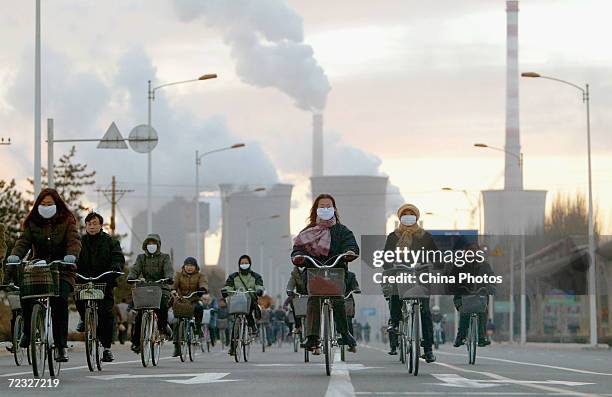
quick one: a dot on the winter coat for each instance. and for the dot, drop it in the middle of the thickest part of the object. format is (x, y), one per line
(50, 241)
(152, 267)
(297, 282)
(422, 240)
(185, 283)
(243, 281)
(342, 240)
(100, 253)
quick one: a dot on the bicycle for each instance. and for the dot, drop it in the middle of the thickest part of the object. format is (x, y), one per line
(147, 299)
(42, 347)
(348, 314)
(15, 305)
(187, 337)
(91, 292)
(239, 306)
(263, 333)
(327, 282)
(473, 304)
(205, 339)
(410, 323)
(300, 305)
(437, 335)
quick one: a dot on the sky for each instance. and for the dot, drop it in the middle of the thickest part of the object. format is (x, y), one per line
(406, 87)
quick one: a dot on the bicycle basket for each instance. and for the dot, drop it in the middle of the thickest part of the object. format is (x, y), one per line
(349, 307)
(239, 304)
(473, 304)
(14, 300)
(182, 308)
(300, 305)
(89, 291)
(39, 282)
(147, 296)
(326, 282)
(206, 315)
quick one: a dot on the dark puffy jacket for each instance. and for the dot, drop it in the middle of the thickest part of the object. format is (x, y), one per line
(152, 267)
(342, 240)
(100, 253)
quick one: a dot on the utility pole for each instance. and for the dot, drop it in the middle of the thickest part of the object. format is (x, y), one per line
(113, 191)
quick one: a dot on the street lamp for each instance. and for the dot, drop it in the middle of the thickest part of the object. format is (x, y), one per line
(198, 162)
(592, 287)
(151, 98)
(5, 143)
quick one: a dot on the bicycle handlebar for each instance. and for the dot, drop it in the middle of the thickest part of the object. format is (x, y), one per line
(323, 265)
(199, 293)
(99, 277)
(41, 263)
(11, 286)
(142, 280)
(355, 291)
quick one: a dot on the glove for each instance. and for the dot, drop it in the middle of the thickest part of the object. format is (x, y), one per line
(290, 293)
(260, 292)
(13, 260)
(70, 259)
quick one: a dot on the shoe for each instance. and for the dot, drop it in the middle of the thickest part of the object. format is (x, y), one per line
(458, 341)
(316, 351)
(347, 339)
(352, 349)
(177, 350)
(61, 355)
(392, 352)
(10, 349)
(483, 342)
(80, 326)
(135, 349)
(311, 343)
(107, 356)
(429, 357)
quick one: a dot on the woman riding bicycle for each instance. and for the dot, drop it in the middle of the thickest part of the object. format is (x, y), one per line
(411, 236)
(245, 280)
(324, 238)
(50, 231)
(189, 280)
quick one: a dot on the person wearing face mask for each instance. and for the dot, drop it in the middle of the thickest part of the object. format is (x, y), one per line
(101, 253)
(50, 232)
(296, 284)
(153, 265)
(324, 238)
(409, 234)
(245, 279)
(187, 281)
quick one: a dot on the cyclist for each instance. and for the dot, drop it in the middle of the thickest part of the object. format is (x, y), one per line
(100, 253)
(243, 280)
(437, 318)
(296, 284)
(324, 238)
(278, 323)
(351, 284)
(153, 265)
(411, 236)
(474, 268)
(6, 279)
(50, 231)
(210, 302)
(189, 280)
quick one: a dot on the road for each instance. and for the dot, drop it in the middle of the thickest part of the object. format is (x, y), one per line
(500, 370)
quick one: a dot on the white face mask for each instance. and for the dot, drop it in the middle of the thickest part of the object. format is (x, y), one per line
(152, 248)
(47, 211)
(408, 220)
(325, 213)
(245, 266)
(301, 269)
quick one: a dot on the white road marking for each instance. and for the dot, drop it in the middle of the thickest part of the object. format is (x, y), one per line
(454, 380)
(196, 378)
(340, 381)
(580, 371)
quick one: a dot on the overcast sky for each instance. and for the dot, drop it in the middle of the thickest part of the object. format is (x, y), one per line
(406, 88)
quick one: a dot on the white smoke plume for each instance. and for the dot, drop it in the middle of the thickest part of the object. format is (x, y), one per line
(266, 40)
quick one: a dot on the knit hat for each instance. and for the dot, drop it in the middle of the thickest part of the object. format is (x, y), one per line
(411, 207)
(191, 261)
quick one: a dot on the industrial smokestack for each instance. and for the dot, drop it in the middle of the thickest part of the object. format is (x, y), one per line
(317, 145)
(513, 177)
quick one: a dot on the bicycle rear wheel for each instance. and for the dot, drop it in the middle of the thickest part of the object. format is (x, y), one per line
(416, 339)
(327, 348)
(401, 342)
(54, 365)
(18, 352)
(264, 337)
(38, 345)
(472, 340)
(90, 339)
(145, 338)
(302, 340)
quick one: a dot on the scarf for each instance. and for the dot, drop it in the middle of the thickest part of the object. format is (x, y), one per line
(406, 233)
(316, 240)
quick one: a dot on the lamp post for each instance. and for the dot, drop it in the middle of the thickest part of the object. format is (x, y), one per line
(5, 142)
(591, 225)
(523, 303)
(198, 162)
(151, 98)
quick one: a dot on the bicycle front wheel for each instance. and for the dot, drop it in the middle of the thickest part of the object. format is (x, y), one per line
(236, 338)
(90, 339)
(191, 341)
(18, 352)
(181, 340)
(264, 337)
(156, 342)
(472, 340)
(416, 340)
(327, 348)
(38, 340)
(246, 341)
(296, 342)
(145, 338)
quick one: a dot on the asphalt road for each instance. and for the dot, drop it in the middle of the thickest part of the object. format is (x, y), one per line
(500, 370)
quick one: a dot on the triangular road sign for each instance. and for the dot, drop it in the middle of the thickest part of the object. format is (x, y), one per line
(112, 139)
